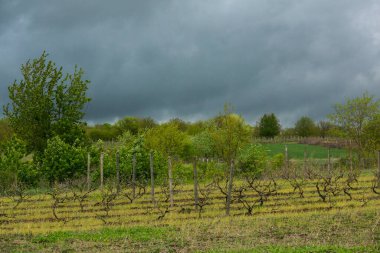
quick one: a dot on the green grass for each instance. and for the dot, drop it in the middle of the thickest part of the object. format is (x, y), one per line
(140, 234)
(296, 151)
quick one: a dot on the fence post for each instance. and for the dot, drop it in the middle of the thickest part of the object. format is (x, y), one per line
(134, 176)
(351, 161)
(118, 170)
(88, 171)
(304, 159)
(195, 183)
(101, 170)
(328, 160)
(286, 157)
(230, 184)
(170, 181)
(152, 177)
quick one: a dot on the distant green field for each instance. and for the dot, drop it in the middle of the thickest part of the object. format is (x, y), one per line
(296, 151)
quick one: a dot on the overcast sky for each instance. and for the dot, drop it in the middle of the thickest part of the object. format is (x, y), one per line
(181, 58)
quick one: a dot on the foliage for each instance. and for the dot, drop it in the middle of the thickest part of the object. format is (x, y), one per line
(229, 134)
(105, 132)
(166, 139)
(354, 115)
(324, 128)
(305, 127)
(15, 168)
(46, 103)
(135, 125)
(253, 159)
(6, 131)
(202, 144)
(62, 161)
(269, 126)
(371, 134)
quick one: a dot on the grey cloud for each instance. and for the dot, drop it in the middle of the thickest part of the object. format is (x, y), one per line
(187, 58)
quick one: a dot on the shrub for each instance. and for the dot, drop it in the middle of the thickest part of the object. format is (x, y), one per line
(62, 161)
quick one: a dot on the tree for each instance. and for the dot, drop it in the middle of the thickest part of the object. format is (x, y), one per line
(135, 125)
(47, 103)
(305, 127)
(62, 161)
(14, 168)
(371, 134)
(353, 116)
(324, 128)
(6, 131)
(269, 126)
(167, 139)
(230, 134)
(253, 160)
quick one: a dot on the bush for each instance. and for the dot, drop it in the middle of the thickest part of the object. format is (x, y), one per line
(15, 166)
(253, 159)
(61, 161)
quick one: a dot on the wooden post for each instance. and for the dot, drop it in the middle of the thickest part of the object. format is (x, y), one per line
(152, 178)
(286, 157)
(304, 159)
(170, 173)
(118, 170)
(101, 170)
(328, 160)
(134, 176)
(88, 171)
(229, 191)
(351, 161)
(195, 183)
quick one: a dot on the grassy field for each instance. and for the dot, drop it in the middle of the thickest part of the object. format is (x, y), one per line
(296, 151)
(285, 223)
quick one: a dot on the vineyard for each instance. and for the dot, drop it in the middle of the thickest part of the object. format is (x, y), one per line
(292, 208)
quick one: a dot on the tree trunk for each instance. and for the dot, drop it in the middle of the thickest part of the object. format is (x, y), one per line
(118, 171)
(101, 170)
(134, 176)
(195, 183)
(152, 178)
(88, 171)
(229, 191)
(170, 181)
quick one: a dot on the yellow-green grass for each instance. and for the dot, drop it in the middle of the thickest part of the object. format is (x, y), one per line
(285, 219)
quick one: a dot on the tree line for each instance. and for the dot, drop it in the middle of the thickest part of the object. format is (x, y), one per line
(45, 139)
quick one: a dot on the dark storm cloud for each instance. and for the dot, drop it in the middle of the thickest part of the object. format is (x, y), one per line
(187, 58)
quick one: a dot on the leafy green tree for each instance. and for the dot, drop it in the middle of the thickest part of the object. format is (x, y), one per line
(62, 161)
(324, 128)
(167, 139)
(105, 132)
(6, 131)
(253, 159)
(203, 145)
(46, 103)
(305, 127)
(14, 167)
(269, 126)
(135, 125)
(229, 134)
(371, 134)
(353, 116)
